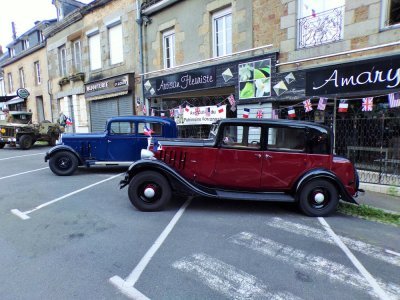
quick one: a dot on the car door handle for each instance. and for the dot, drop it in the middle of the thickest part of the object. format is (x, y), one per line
(257, 155)
(108, 141)
(267, 156)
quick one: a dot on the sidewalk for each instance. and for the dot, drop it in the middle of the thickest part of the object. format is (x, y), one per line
(377, 199)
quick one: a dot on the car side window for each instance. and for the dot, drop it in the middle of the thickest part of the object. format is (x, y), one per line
(156, 128)
(241, 137)
(121, 128)
(318, 142)
(286, 139)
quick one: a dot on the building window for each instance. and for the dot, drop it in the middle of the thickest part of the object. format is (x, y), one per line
(169, 49)
(60, 14)
(320, 22)
(391, 13)
(115, 44)
(94, 51)
(21, 78)
(10, 83)
(77, 58)
(12, 52)
(222, 32)
(37, 73)
(62, 57)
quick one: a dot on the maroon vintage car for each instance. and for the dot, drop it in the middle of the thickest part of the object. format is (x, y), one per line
(247, 159)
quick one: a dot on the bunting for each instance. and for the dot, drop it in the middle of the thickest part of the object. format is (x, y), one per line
(291, 112)
(343, 106)
(246, 112)
(394, 100)
(259, 114)
(367, 104)
(307, 105)
(322, 103)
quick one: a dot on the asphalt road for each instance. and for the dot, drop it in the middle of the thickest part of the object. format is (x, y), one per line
(78, 237)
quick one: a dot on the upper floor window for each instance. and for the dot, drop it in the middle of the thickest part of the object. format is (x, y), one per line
(12, 52)
(2, 89)
(25, 44)
(169, 49)
(391, 13)
(320, 22)
(10, 83)
(77, 58)
(21, 78)
(94, 51)
(62, 57)
(38, 78)
(60, 14)
(222, 32)
(116, 43)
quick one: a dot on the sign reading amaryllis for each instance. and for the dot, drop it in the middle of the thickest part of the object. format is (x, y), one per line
(201, 115)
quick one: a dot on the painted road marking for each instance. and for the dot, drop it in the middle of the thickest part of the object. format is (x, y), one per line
(11, 157)
(24, 215)
(22, 173)
(311, 263)
(225, 279)
(392, 252)
(320, 235)
(126, 286)
(378, 290)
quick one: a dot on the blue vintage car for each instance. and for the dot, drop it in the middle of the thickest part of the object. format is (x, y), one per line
(119, 144)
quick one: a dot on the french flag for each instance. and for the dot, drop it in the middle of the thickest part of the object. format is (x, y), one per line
(246, 112)
(291, 112)
(343, 106)
(147, 131)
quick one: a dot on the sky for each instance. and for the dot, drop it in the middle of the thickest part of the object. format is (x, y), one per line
(24, 13)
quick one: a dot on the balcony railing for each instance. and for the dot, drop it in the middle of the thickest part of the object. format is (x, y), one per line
(321, 28)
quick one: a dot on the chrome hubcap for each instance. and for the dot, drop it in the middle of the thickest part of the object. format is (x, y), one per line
(319, 198)
(149, 192)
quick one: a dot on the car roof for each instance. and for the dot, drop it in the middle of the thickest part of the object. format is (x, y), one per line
(142, 119)
(284, 122)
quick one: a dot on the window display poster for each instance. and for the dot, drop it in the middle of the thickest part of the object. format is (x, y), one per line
(255, 79)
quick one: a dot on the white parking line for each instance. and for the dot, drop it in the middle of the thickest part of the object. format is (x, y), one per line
(320, 234)
(22, 173)
(311, 263)
(24, 215)
(126, 286)
(371, 280)
(227, 280)
(392, 252)
(11, 157)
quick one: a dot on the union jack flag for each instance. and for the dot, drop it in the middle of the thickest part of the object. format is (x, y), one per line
(307, 105)
(171, 112)
(68, 121)
(322, 103)
(259, 114)
(394, 100)
(144, 109)
(367, 104)
(197, 111)
(187, 108)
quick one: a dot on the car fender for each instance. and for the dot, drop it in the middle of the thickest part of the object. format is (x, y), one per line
(174, 178)
(59, 148)
(324, 174)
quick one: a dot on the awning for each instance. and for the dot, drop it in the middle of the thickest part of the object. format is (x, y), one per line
(105, 96)
(15, 100)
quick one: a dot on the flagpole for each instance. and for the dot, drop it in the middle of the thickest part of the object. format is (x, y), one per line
(334, 124)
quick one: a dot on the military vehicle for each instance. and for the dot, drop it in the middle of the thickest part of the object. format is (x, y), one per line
(21, 131)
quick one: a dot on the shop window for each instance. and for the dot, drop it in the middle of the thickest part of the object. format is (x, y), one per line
(62, 61)
(320, 22)
(169, 49)
(391, 13)
(77, 58)
(286, 139)
(10, 83)
(21, 78)
(94, 51)
(222, 32)
(116, 44)
(38, 78)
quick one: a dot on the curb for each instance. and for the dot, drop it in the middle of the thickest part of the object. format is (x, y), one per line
(383, 189)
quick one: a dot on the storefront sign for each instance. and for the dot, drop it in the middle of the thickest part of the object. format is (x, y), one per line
(107, 86)
(180, 82)
(371, 75)
(201, 115)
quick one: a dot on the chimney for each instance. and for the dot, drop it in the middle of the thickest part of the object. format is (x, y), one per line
(14, 32)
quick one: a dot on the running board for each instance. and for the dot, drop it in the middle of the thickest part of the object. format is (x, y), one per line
(109, 163)
(269, 197)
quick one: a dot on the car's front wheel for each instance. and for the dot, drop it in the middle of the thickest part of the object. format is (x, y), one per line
(25, 142)
(149, 191)
(63, 163)
(318, 198)
(2, 145)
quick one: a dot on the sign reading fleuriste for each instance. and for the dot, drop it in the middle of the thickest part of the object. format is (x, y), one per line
(186, 81)
(377, 74)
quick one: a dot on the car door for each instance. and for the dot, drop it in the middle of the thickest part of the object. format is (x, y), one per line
(121, 141)
(284, 158)
(239, 158)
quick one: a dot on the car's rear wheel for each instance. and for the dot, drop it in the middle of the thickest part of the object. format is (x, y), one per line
(2, 145)
(149, 191)
(63, 163)
(318, 198)
(25, 142)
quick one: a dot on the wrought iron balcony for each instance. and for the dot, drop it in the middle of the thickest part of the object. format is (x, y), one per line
(321, 28)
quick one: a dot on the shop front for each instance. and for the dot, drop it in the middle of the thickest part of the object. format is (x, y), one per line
(109, 97)
(198, 97)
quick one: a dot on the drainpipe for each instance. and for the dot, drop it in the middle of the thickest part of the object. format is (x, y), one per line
(139, 21)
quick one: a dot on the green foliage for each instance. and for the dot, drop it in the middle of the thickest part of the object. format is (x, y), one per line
(369, 213)
(392, 191)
